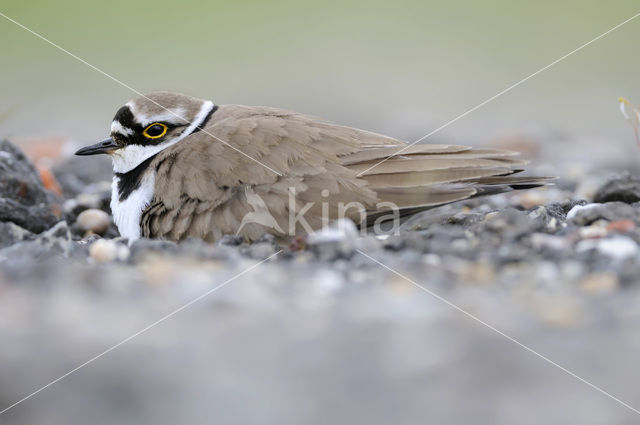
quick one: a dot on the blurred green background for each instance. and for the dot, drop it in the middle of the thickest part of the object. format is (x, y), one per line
(402, 68)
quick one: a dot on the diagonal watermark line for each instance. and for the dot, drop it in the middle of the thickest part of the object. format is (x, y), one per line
(130, 88)
(511, 87)
(141, 331)
(499, 332)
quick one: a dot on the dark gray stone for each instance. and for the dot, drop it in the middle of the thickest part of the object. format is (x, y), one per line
(231, 240)
(83, 174)
(54, 242)
(11, 233)
(559, 210)
(23, 199)
(622, 188)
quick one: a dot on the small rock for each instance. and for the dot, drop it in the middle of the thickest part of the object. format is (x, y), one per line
(618, 248)
(58, 238)
(511, 224)
(142, 248)
(338, 231)
(93, 220)
(259, 251)
(84, 201)
(592, 232)
(11, 233)
(106, 250)
(623, 188)
(560, 210)
(231, 240)
(491, 215)
(577, 208)
(23, 199)
(54, 242)
(336, 240)
(621, 226)
(85, 174)
(611, 211)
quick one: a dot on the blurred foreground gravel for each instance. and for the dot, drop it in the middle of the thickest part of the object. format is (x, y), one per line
(324, 334)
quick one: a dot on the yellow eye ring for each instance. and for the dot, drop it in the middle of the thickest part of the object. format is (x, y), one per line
(155, 130)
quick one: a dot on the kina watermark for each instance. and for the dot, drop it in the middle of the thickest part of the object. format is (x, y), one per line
(304, 216)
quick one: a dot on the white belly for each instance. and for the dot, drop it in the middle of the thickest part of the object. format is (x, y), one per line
(127, 214)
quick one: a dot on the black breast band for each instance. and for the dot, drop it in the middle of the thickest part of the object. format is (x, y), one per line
(130, 181)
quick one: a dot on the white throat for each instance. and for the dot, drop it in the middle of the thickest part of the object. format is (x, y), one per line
(129, 157)
(128, 212)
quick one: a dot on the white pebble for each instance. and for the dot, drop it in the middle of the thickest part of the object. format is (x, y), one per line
(69, 205)
(573, 211)
(618, 248)
(89, 200)
(340, 230)
(592, 232)
(105, 250)
(93, 220)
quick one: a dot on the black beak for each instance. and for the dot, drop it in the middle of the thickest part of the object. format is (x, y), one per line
(106, 146)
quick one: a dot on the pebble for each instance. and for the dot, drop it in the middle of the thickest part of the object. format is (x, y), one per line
(93, 220)
(574, 211)
(106, 250)
(592, 232)
(623, 188)
(338, 231)
(23, 199)
(611, 211)
(621, 226)
(618, 248)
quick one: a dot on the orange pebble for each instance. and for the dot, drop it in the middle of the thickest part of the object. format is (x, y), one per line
(48, 180)
(621, 226)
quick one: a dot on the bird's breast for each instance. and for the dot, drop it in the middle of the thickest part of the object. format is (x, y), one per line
(127, 207)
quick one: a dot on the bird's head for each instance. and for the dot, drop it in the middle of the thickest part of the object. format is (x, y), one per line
(147, 125)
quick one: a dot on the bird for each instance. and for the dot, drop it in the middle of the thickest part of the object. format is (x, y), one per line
(185, 167)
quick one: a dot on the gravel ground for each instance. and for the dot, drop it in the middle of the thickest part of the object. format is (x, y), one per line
(459, 322)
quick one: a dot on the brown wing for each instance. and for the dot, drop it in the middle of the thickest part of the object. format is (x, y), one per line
(206, 188)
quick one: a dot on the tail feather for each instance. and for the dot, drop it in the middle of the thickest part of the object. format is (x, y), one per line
(377, 154)
(427, 176)
(433, 177)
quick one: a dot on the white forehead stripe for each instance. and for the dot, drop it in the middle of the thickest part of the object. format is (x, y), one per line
(116, 127)
(129, 157)
(205, 109)
(172, 115)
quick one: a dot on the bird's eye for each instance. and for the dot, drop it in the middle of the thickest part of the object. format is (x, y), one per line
(155, 130)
